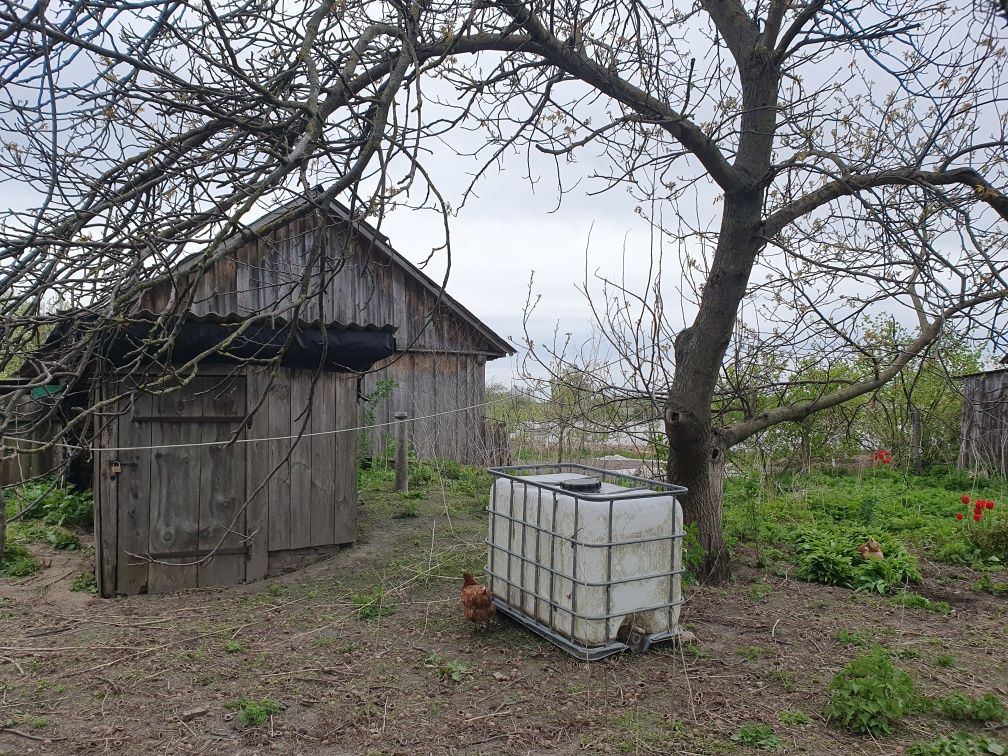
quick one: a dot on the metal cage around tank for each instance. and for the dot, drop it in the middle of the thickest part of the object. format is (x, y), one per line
(630, 488)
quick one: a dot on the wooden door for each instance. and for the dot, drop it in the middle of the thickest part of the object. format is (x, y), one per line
(180, 495)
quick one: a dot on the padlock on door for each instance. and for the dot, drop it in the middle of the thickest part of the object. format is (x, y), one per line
(115, 467)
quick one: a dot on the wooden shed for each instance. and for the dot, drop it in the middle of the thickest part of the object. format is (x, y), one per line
(439, 368)
(27, 420)
(984, 441)
(243, 468)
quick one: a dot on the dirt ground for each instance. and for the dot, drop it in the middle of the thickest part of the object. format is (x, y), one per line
(163, 674)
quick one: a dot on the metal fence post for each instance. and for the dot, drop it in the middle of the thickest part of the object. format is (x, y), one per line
(401, 468)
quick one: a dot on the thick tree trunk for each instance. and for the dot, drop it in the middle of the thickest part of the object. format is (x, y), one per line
(696, 456)
(697, 462)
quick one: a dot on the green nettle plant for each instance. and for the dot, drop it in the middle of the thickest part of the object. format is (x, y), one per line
(830, 556)
(870, 695)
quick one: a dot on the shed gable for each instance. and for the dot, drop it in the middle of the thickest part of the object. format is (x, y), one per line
(356, 278)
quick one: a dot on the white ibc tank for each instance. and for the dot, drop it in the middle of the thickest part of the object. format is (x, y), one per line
(581, 565)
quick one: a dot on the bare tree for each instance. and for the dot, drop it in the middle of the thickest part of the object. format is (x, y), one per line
(856, 149)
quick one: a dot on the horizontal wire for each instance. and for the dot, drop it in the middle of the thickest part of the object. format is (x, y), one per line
(254, 440)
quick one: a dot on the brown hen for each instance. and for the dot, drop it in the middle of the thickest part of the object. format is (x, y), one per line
(871, 549)
(477, 601)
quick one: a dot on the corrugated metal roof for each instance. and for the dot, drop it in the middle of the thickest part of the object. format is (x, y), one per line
(237, 318)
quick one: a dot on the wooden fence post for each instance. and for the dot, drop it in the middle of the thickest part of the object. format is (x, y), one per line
(401, 468)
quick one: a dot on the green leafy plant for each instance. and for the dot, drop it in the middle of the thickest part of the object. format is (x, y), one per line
(752, 653)
(382, 390)
(447, 670)
(692, 553)
(32, 531)
(991, 540)
(870, 694)
(757, 736)
(946, 661)
(851, 638)
(793, 717)
(912, 600)
(252, 712)
(986, 585)
(51, 502)
(408, 509)
(17, 562)
(85, 583)
(234, 647)
(374, 604)
(830, 556)
(959, 707)
(960, 744)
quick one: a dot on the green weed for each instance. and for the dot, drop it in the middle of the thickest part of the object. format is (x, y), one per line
(252, 712)
(945, 660)
(752, 653)
(234, 647)
(963, 708)
(640, 729)
(85, 583)
(911, 600)
(51, 502)
(374, 604)
(757, 736)
(870, 694)
(830, 556)
(32, 531)
(695, 651)
(17, 562)
(786, 680)
(447, 669)
(793, 717)
(960, 744)
(759, 591)
(986, 585)
(850, 638)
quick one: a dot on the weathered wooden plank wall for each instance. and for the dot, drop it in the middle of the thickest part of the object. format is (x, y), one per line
(189, 494)
(28, 421)
(984, 442)
(357, 282)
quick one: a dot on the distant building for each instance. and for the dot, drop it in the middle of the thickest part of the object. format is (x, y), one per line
(984, 441)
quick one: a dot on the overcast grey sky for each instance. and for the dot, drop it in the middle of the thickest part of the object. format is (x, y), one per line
(500, 238)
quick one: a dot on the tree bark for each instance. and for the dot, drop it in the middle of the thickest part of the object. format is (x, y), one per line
(806, 446)
(916, 441)
(697, 462)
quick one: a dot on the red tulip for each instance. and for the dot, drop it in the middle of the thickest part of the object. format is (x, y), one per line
(965, 499)
(886, 460)
(977, 516)
(959, 516)
(990, 505)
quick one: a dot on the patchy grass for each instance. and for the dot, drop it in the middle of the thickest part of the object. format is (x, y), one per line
(374, 604)
(17, 562)
(156, 674)
(757, 736)
(254, 713)
(911, 600)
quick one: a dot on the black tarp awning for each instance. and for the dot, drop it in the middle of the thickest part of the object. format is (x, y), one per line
(336, 347)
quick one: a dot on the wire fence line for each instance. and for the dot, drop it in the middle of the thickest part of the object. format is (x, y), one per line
(292, 437)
